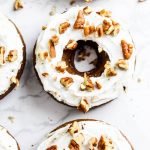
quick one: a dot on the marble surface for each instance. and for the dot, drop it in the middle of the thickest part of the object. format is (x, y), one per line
(29, 113)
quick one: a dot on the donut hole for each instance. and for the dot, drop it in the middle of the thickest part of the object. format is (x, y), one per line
(85, 59)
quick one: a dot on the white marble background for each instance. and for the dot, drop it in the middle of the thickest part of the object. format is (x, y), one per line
(29, 113)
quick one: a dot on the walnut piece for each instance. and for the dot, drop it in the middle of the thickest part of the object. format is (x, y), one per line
(66, 82)
(74, 145)
(18, 4)
(71, 45)
(84, 106)
(63, 27)
(61, 66)
(79, 23)
(89, 29)
(93, 142)
(2, 52)
(99, 30)
(105, 143)
(14, 80)
(87, 10)
(52, 49)
(74, 128)
(122, 64)
(54, 147)
(45, 74)
(127, 49)
(105, 13)
(55, 39)
(12, 56)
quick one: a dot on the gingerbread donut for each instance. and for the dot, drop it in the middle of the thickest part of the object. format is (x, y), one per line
(12, 56)
(84, 135)
(83, 56)
(7, 141)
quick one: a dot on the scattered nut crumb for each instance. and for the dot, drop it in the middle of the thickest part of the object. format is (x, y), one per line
(66, 81)
(84, 106)
(18, 4)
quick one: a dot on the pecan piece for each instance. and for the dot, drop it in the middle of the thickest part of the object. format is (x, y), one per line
(87, 10)
(61, 66)
(55, 39)
(18, 4)
(12, 56)
(93, 142)
(54, 147)
(66, 82)
(127, 49)
(2, 52)
(74, 145)
(71, 45)
(100, 31)
(84, 106)
(74, 128)
(105, 143)
(79, 23)
(52, 49)
(122, 64)
(45, 74)
(63, 27)
(89, 29)
(43, 55)
(104, 13)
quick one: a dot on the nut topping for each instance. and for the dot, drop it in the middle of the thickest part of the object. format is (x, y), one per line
(45, 74)
(43, 55)
(79, 23)
(74, 145)
(74, 128)
(63, 27)
(2, 52)
(14, 80)
(12, 56)
(71, 45)
(98, 85)
(87, 10)
(105, 143)
(105, 13)
(54, 147)
(99, 30)
(93, 142)
(61, 66)
(52, 49)
(127, 49)
(55, 39)
(122, 64)
(84, 106)
(66, 82)
(79, 139)
(89, 29)
(18, 4)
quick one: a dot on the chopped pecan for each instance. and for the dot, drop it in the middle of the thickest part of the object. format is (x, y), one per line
(116, 28)
(127, 49)
(89, 29)
(63, 27)
(122, 64)
(45, 74)
(71, 45)
(14, 80)
(98, 85)
(18, 4)
(87, 84)
(61, 66)
(74, 145)
(12, 56)
(99, 30)
(43, 55)
(66, 81)
(105, 143)
(2, 52)
(52, 49)
(79, 23)
(87, 10)
(93, 142)
(105, 13)
(74, 128)
(55, 39)
(54, 147)
(84, 105)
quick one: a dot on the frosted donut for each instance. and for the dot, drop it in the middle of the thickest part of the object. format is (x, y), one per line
(7, 142)
(84, 135)
(65, 44)
(12, 56)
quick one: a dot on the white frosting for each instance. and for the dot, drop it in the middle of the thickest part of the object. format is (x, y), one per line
(10, 39)
(7, 142)
(111, 87)
(62, 138)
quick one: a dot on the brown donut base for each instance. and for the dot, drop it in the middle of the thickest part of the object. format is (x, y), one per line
(20, 71)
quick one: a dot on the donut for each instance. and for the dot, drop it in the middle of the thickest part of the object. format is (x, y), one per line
(83, 56)
(12, 56)
(7, 141)
(86, 134)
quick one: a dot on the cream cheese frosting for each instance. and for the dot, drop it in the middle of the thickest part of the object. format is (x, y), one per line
(7, 142)
(10, 40)
(89, 129)
(111, 87)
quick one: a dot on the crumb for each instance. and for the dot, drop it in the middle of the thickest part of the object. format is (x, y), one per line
(53, 11)
(11, 119)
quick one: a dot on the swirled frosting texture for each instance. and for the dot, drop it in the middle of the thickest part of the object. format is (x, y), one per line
(111, 87)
